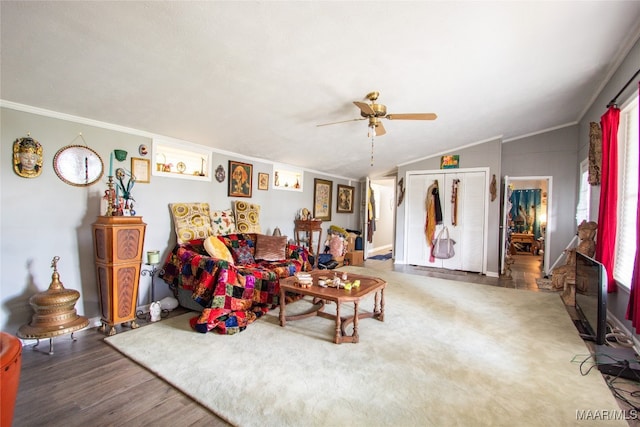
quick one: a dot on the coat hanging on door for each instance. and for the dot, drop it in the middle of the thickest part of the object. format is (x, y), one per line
(434, 213)
(371, 214)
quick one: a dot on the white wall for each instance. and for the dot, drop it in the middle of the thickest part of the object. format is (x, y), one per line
(43, 217)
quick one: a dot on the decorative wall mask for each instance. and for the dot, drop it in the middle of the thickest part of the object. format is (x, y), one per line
(493, 188)
(27, 157)
(220, 174)
(595, 153)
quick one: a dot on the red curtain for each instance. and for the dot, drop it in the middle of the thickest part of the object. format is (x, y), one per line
(634, 299)
(607, 210)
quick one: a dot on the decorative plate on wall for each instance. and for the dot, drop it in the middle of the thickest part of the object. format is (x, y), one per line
(220, 173)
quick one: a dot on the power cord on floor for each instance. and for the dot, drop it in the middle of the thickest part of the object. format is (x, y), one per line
(619, 388)
(623, 390)
(616, 337)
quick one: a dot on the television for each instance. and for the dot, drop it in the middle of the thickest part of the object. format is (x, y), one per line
(591, 299)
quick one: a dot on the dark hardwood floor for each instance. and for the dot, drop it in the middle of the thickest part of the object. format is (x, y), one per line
(88, 383)
(524, 272)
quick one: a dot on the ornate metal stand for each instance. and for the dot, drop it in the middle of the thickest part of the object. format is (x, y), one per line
(151, 272)
(50, 343)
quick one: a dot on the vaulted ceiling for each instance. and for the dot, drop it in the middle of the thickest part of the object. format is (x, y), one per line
(257, 77)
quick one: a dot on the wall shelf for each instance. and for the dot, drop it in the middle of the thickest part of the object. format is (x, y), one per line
(183, 161)
(287, 178)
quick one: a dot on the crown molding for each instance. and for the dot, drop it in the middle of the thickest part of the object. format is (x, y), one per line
(131, 131)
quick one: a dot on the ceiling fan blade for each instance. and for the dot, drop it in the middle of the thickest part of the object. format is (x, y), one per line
(365, 108)
(343, 121)
(380, 130)
(412, 116)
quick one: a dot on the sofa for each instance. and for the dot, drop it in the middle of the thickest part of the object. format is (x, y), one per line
(231, 279)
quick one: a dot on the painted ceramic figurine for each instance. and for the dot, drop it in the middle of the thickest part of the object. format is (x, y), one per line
(155, 310)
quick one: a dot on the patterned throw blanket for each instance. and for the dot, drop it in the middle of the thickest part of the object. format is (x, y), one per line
(233, 295)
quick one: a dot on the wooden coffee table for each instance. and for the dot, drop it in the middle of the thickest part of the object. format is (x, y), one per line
(321, 295)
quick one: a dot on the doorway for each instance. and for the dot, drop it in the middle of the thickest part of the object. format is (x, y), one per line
(526, 217)
(381, 240)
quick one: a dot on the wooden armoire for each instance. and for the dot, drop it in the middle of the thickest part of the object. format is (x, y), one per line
(118, 243)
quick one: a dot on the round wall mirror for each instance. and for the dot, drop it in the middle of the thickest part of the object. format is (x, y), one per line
(78, 165)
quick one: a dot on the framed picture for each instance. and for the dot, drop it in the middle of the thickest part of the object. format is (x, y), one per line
(450, 162)
(263, 181)
(141, 169)
(322, 199)
(240, 179)
(344, 201)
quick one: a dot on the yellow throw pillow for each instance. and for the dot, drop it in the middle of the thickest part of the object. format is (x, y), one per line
(247, 217)
(216, 249)
(191, 221)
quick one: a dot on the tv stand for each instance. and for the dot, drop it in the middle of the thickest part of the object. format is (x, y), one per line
(618, 362)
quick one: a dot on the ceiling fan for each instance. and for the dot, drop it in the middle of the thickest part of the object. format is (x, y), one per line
(374, 112)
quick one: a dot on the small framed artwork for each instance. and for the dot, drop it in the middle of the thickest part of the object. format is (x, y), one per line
(240, 179)
(322, 190)
(344, 202)
(141, 169)
(450, 162)
(263, 181)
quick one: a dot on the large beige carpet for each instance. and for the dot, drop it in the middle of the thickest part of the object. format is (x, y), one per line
(447, 354)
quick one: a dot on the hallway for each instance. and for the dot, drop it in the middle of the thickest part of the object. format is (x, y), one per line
(526, 269)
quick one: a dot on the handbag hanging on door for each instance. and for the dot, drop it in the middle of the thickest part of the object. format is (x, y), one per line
(443, 245)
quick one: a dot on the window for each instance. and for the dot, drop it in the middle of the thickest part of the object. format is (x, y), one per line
(627, 193)
(584, 197)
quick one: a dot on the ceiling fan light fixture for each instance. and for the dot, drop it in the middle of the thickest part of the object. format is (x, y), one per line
(372, 130)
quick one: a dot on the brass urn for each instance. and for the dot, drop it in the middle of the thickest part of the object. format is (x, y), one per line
(55, 312)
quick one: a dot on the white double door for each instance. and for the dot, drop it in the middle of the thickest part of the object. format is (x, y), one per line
(470, 229)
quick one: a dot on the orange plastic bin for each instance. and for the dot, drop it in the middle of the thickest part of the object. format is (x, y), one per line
(10, 361)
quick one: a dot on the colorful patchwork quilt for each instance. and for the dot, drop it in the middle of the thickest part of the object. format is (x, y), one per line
(233, 296)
